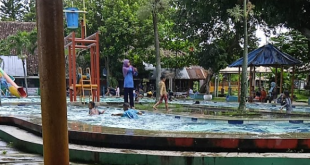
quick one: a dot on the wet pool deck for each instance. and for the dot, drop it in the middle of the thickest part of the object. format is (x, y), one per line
(11, 156)
(31, 143)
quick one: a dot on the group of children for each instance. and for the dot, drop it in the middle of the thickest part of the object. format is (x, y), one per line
(130, 113)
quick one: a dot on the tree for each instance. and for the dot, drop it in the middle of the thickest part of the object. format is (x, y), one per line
(30, 11)
(11, 10)
(122, 34)
(237, 13)
(154, 7)
(217, 37)
(23, 43)
(289, 14)
(294, 44)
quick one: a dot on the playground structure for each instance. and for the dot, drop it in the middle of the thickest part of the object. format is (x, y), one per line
(8, 84)
(91, 81)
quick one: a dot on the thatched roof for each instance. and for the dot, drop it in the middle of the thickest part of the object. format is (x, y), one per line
(11, 28)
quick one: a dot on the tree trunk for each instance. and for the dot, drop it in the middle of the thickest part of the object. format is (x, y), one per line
(158, 65)
(25, 76)
(108, 70)
(244, 85)
(205, 87)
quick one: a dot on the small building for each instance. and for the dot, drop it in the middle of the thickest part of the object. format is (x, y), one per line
(184, 77)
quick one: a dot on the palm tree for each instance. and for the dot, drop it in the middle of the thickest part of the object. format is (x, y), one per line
(23, 42)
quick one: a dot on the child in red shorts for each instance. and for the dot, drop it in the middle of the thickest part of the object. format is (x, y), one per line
(163, 93)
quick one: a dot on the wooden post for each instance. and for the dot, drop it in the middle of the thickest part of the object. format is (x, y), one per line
(52, 81)
(281, 80)
(292, 84)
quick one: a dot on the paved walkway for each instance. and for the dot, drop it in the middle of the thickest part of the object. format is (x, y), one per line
(10, 156)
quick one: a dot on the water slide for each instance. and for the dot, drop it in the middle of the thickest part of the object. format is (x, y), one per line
(8, 83)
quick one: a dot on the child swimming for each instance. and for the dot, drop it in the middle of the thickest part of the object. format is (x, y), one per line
(93, 110)
(130, 113)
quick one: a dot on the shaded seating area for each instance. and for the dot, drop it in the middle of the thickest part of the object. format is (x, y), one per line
(268, 56)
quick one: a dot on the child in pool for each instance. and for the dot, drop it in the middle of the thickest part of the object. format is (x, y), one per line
(130, 113)
(93, 110)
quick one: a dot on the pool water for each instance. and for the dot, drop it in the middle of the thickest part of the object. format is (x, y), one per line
(163, 122)
(262, 106)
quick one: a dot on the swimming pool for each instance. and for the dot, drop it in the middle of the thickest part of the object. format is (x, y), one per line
(261, 106)
(163, 122)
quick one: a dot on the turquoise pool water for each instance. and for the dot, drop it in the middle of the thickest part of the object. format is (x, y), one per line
(262, 106)
(162, 122)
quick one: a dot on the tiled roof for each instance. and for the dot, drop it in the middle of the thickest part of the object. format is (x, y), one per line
(11, 28)
(196, 73)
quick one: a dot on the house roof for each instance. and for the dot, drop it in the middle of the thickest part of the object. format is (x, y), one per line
(196, 73)
(268, 55)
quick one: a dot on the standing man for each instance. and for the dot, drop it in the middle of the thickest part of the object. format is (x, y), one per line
(163, 93)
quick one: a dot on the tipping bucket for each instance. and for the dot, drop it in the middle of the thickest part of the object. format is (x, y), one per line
(72, 17)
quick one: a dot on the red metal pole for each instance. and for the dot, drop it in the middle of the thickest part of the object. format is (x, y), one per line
(52, 81)
(70, 72)
(92, 70)
(74, 66)
(97, 66)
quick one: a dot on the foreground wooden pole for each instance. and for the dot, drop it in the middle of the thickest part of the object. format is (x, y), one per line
(52, 81)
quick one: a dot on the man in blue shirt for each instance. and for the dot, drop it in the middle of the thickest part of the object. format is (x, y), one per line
(130, 113)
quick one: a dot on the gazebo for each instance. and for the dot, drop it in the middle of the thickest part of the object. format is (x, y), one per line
(269, 56)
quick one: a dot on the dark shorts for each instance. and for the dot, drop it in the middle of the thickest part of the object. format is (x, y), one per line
(163, 97)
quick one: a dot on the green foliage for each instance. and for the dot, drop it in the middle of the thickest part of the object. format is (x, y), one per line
(22, 42)
(11, 10)
(236, 13)
(292, 43)
(291, 14)
(122, 34)
(30, 11)
(210, 28)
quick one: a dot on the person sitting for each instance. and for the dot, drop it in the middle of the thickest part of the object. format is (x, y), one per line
(130, 113)
(190, 91)
(252, 94)
(93, 110)
(287, 103)
(263, 94)
(257, 95)
(149, 94)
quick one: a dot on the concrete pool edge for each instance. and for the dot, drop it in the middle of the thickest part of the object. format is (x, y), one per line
(128, 140)
(140, 157)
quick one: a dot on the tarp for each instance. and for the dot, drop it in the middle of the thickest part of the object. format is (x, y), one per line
(181, 74)
(13, 66)
(267, 55)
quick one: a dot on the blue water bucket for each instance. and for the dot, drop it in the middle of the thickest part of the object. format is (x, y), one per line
(72, 18)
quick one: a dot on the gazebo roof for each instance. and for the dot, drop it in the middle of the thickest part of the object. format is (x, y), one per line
(267, 55)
